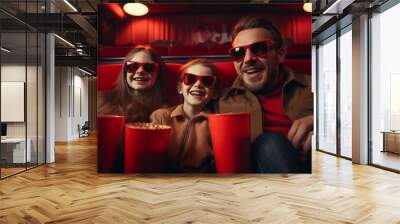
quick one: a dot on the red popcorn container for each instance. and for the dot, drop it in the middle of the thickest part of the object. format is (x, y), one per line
(146, 147)
(109, 137)
(231, 136)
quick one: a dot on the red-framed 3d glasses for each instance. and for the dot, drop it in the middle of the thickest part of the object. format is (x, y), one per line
(259, 49)
(190, 79)
(133, 66)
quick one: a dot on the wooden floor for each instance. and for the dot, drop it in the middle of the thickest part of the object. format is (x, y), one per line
(387, 159)
(5, 172)
(71, 191)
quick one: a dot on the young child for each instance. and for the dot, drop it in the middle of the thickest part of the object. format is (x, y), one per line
(138, 91)
(189, 149)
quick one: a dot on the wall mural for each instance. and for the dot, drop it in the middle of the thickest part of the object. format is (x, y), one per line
(205, 93)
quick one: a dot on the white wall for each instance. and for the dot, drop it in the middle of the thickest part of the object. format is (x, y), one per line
(61, 103)
(71, 93)
(16, 73)
(33, 127)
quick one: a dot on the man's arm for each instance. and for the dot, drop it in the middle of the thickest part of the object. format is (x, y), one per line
(300, 133)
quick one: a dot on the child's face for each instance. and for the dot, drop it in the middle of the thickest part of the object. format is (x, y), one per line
(141, 71)
(199, 93)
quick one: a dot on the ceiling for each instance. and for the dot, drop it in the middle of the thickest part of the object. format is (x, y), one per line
(80, 27)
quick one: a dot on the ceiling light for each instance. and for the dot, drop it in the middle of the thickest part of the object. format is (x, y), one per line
(70, 5)
(307, 6)
(65, 41)
(136, 9)
(5, 50)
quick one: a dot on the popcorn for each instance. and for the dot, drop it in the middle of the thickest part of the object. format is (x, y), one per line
(147, 126)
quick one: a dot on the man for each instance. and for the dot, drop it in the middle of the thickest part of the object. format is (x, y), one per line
(279, 100)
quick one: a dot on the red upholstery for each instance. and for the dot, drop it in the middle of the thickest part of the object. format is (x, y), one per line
(185, 50)
(299, 65)
(108, 74)
(114, 52)
(108, 52)
(219, 49)
(162, 51)
(171, 70)
(227, 73)
(302, 50)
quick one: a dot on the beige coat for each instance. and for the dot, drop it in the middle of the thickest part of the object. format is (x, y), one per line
(189, 148)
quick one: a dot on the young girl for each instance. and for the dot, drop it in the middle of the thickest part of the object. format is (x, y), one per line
(140, 88)
(138, 91)
(189, 149)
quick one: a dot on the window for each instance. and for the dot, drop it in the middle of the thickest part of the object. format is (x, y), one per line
(327, 96)
(385, 89)
(346, 93)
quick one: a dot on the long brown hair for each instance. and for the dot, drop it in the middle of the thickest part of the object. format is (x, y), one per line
(135, 105)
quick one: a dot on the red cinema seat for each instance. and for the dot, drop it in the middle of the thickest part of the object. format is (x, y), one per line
(171, 71)
(109, 52)
(107, 76)
(227, 73)
(219, 49)
(161, 50)
(299, 65)
(124, 50)
(114, 51)
(186, 50)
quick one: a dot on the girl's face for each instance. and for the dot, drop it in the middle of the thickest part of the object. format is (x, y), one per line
(197, 86)
(141, 71)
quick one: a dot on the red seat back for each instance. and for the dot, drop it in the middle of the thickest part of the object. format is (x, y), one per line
(227, 73)
(299, 65)
(116, 51)
(107, 76)
(186, 50)
(161, 50)
(219, 49)
(171, 71)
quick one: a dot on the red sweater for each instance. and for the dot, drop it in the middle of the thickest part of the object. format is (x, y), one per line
(274, 116)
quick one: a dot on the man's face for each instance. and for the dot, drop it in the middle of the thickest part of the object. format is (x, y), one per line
(257, 71)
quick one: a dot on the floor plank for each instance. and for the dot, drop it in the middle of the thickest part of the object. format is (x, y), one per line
(71, 191)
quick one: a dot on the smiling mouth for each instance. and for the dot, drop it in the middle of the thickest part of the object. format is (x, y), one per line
(252, 71)
(197, 93)
(140, 79)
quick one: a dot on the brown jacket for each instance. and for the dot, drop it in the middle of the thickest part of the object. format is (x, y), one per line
(189, 148)
(297, 99)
